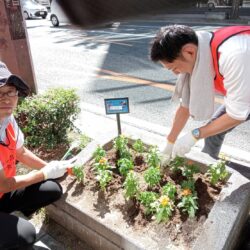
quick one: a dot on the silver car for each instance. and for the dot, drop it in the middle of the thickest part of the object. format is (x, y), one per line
(33, 9)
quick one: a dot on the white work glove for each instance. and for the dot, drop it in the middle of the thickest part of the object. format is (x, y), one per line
(55, 169)
(183, 145)
(166, 154)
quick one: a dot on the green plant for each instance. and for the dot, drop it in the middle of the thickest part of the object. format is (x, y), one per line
(147, 199)
(104, 176)
(138, 146)
(169, 190)
(177, 163)
(188, 202)
(131, 185)
(125, 165)
(102, 164)
(152, 176)
(99, 153)
(217, 172)
(121, 145)
(46, 118)
(153, 157)
(189, 170)
(189, 198)
(78, 172)
(189, 184)
(164, 207)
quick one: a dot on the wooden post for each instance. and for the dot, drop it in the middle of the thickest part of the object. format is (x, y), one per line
(14, 46)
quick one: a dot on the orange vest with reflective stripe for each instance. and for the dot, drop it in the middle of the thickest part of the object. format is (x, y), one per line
(8, 153)
(218, 38)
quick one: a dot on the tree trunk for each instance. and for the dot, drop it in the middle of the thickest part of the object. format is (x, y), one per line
(235, 9)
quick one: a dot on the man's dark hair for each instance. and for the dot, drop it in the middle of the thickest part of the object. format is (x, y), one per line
(169, 41)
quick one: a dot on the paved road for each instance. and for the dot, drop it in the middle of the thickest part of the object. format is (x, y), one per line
(112, 62)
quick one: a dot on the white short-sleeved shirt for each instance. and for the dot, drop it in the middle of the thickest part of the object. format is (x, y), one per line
(18, 132)
(234, 65)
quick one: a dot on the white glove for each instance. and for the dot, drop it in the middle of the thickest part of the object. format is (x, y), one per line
(166, 154)
(55, 169)
(184, 145)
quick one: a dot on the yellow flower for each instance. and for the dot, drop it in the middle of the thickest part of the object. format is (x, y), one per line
(186, 192)
(103, 160)
(164, 200)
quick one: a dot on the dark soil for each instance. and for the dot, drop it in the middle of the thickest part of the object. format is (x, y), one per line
(181, 229)
(51, 154)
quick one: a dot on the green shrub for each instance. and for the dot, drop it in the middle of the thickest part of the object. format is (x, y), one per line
(45, 119)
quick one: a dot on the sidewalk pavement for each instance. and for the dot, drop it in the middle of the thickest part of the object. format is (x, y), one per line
(97, 125)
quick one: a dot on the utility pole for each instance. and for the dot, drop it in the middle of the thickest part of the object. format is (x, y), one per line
(14, 46)
(235, 9)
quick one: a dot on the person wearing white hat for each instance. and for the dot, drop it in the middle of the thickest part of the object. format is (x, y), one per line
(25, 193)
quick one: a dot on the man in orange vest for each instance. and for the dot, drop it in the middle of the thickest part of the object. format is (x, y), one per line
(25, 193)
(205, 63)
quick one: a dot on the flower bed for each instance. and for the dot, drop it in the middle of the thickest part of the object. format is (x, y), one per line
(124, 180)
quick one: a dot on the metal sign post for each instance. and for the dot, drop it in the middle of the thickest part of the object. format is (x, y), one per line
(117, 106)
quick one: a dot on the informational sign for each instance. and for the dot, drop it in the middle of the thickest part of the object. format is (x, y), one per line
(117, 106)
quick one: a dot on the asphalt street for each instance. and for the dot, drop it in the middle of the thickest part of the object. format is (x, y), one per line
(112, 61)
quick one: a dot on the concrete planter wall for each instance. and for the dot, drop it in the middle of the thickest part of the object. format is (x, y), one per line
(220, 230)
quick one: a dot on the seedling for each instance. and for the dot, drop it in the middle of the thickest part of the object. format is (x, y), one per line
(102, 164)
(104, 177)
(164, 207)
(217, 172)
(138, 146)
(152, 176)
(189, 198)
(147, 199)
(99, 153)
(131, 185)
(189, 170)
(78, 172)
(177, 163)
(169, 190)
(189, 184)
(188, 202)
(153, 157)
(125, 165)
(120, 144)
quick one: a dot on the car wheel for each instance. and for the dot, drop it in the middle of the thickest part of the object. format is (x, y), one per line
(54, 20)
(211, 5)
(26, 15)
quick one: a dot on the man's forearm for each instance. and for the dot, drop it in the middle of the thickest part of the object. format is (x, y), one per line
(180, 120)
(29, 159)
(221, 124)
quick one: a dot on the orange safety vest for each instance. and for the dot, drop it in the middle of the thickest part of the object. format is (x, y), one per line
(218, 38)
(8, 153)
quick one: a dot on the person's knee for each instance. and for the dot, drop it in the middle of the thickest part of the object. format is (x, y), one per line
(55, 190)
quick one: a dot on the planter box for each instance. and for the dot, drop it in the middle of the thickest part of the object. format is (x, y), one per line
(102, 229)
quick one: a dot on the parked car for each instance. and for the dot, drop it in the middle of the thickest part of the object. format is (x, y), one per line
(57, 15)
(45, 3)
(218, 3)
(33, 9)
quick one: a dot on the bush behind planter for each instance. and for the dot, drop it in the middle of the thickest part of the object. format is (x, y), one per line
(45, 119)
